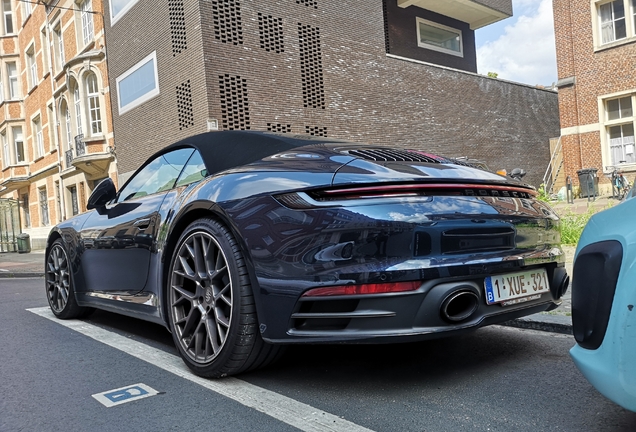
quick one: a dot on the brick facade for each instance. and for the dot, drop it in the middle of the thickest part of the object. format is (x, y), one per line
(291, 67)
(591, 72)
(49, 83)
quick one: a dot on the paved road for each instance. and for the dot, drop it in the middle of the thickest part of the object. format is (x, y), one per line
(496, 379)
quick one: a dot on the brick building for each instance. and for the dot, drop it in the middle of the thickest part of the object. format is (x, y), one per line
(597, 85)
(55, 122)
(400, 72)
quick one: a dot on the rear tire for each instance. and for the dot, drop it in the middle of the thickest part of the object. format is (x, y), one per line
(211, 310)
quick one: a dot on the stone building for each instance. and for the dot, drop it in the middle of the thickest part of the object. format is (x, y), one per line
(597, 85)
(55, 123)
(397, 72)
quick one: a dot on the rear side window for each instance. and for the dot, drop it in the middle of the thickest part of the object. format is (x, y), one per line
(194, 170)
(158, 176)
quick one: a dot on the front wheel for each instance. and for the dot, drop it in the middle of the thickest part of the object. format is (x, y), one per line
(211, 308)
(60, 291)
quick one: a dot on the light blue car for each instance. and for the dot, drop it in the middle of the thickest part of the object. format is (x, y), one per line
(604, 303)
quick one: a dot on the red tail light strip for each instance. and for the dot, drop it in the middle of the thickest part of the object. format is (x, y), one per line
(413, 188)
(363, 289)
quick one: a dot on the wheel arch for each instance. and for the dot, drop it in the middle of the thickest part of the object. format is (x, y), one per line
(196, 211)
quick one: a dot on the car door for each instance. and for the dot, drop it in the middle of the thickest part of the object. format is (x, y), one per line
(120, 238)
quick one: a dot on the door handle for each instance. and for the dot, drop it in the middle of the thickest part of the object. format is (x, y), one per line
(142, 224)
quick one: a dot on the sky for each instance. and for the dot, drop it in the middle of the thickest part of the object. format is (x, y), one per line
(520, 48)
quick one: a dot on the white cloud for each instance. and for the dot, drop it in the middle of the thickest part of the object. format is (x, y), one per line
(525, 52)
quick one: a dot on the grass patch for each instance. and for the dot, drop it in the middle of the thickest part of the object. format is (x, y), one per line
(572, 226)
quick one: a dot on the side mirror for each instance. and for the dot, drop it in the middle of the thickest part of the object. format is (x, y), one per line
(103, 193)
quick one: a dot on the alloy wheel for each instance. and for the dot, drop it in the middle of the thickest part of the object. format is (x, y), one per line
(58, 278)
(201, 297)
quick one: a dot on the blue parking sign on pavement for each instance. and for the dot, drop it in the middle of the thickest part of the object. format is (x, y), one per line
(125, 394)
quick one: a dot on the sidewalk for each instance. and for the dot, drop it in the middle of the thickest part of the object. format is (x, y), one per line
(559, 321)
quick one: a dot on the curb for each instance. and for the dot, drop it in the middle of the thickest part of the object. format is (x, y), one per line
(543, 322)
(11, 275)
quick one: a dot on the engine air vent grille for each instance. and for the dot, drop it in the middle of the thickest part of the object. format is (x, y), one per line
(393, 155)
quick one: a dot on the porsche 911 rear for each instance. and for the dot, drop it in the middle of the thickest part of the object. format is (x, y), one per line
(400, 246)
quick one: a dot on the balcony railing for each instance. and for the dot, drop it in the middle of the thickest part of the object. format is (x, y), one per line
(69, 158)
(80, 146)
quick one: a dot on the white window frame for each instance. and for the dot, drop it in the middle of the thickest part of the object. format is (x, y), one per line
(69, 129)
(44, 206)
(32, 72)
(7, 16)
(421, 44)
(146, 96)
(6, 152)
(77, 103)
(597, 25)
(27, 9)
(17, 132)
(88, 28)
(93, 104)
(606, 124)
(14, 84)
(58, 47)
(45, 51)
(116, 17)
(38, 137)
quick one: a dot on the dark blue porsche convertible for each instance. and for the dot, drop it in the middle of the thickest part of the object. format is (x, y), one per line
(241, 242)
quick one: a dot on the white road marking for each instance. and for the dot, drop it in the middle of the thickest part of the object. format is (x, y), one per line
(282, 408)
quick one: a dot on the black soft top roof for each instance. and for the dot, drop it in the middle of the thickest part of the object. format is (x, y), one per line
(230, 149)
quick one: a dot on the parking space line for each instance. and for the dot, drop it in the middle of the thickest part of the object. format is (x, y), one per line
(282, 408)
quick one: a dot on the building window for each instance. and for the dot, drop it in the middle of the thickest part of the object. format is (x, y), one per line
(25, 210)
(94, 112)
(139, 84)
(87, 21)
(620, 130)
(118, 8)
(14, 89)
(27, 8)
(44, 207)
(74, 202)
(67, 134)
(78, 110)
(612, 17)
(38, 138)
(8, 17)
(33, 67)
(18, 143)
(6, 154)
(58, 48)
(45, 52)
(438, 37)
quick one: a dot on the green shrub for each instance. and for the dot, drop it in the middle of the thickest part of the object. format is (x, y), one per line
(541, 194)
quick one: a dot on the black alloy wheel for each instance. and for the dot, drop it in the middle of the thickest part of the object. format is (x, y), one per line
(59, 284)
(211, 308)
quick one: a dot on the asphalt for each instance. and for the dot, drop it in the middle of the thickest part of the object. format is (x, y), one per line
(31, 264)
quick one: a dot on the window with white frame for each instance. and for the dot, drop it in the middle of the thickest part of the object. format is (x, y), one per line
(44, 207)
(33, 67)
(27, 8)
(38, 137)
(94, 111)
(118, 8)
(12, 72)
(18, 145)
(612, 21)
(68, 134)
(58, 48)
(87, 21)
(45, 52)
(438, 37)
(1, 90)
(620, 129)
(7, 22)
(139, 84)
(78, 110)
(6, 154)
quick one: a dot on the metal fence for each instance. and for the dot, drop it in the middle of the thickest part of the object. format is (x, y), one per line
(9, 224)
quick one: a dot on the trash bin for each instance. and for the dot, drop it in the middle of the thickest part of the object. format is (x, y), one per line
(588, 182)
(24, 243)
